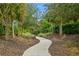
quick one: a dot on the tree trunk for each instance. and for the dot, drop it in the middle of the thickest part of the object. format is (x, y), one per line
(6, 33)
(13, 33)
(21, 30)
(53, 29)
(13, 30)
(60, 28)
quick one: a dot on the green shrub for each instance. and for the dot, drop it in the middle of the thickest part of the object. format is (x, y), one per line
(44, 34)
(41, 35)
(28, 34)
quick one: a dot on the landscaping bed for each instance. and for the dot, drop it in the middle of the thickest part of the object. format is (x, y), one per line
(68, 46)
(16, 46)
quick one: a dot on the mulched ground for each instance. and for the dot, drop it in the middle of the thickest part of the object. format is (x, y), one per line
(68, 45)
(16, 46)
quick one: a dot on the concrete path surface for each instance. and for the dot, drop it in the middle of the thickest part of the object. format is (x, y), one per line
(40, 49)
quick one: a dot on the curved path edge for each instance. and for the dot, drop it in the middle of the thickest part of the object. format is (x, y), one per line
(40, 49)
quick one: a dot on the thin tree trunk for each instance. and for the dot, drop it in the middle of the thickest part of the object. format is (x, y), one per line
(13, 33)
(60, 28)
(21, 30)
(6, 32)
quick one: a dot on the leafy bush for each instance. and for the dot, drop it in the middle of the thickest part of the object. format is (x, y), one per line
(41, 34)
(44, 34)
(28, 34)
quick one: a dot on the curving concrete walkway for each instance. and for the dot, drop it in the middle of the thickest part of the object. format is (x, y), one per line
(40, 49)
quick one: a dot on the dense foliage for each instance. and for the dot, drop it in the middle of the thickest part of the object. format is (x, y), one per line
(61, 14)
(69, 28)
(17, 19)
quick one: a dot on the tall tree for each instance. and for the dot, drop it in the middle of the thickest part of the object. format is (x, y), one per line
(11, 12)
(31, 21)
(62, 13)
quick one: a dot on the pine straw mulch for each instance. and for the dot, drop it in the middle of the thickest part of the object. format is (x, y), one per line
(16, 46)
(68, 46)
